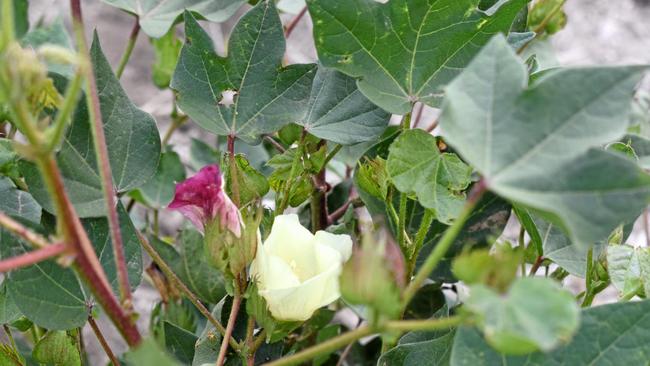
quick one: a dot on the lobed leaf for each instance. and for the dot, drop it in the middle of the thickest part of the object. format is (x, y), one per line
(536, 145)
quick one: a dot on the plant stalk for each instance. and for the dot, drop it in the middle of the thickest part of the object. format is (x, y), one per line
(234, 180)
(102, 342)
(234, 310)
(294, 22)
(101, 154)
(32, 257)
(18, 229)
(133, 37)
(445, 242)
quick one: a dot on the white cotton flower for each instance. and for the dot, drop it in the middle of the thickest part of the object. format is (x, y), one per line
(297, 272)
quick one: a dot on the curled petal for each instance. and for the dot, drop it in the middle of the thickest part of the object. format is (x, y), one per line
(201, 199)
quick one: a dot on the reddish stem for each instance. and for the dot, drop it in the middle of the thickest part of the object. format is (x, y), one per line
(102, 342)
(294, 22)
(234, 310)
(32, 257)
(101, 152)
(418, 116)
(86, 262)
(19, 230)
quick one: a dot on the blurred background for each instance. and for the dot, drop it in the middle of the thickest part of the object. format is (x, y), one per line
(598, 32)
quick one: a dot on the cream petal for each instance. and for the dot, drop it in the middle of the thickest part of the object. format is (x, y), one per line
(272, 272)
(341, 242)
(299, 303)
(294, 244)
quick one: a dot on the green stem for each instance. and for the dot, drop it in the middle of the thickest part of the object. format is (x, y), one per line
(328, 346)
(7, 22)
(129, 48)
(589, 293)
(63, 115)
(342, 340)
(10, 336)
(101, 154)
(445, 242)
(401, 229)
(420, 236)
(331, 155)
(406, 121)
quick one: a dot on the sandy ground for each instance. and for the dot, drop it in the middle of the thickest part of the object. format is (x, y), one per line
(598, 32)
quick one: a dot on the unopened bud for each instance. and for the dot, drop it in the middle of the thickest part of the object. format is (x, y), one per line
(375, 275)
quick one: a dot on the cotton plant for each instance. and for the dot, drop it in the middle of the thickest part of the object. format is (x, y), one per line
(303, 227)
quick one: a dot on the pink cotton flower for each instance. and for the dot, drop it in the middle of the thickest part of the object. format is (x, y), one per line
(202, 200)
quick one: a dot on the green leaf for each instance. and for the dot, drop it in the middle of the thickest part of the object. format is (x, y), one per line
(8, 310)
(166, 49)
(420, 349)
(158, 16)
(149, 353)
(533, 145)
(179, 342)
(131, 136)
(191, 265)
(339, 112)
(614, 334)
(158, 192)
(46, 293)
(18, 203)
(57, 348)
(415, 165)
(209, 342)
(535, 314)
(404, 51)
(267, 95)
(629, 268)
(99, 234)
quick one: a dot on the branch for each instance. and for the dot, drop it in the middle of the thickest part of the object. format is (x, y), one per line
(129, 48)
(101, 154)
(18, 229)
(102, 342)
(164, 267)
(234, 310)
(294, 22)
(32, 257)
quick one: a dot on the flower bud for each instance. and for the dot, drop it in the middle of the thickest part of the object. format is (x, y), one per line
(202, 200)
(375, 275)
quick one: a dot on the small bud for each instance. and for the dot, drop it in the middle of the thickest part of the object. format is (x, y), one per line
(496, 270)
(375, 275)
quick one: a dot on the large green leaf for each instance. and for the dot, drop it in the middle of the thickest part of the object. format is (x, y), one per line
(149, 353)
(157, 16)
(191, 265)
(46, 293)
(18, 203)
(534, 145)
(267, 95)
(8, 309)
(404, 51)
(339, 112)
(415, 165)
(614, 334)
(99, 234)
(133, 146)
(535, 314)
